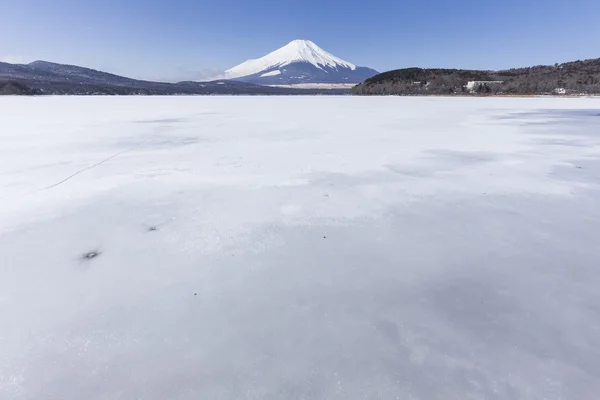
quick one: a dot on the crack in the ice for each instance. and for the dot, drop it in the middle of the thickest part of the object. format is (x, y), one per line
(83, 170)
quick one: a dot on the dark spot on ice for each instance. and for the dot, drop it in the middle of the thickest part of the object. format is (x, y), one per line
(90, 255)
(195, 294)
(578, 167)
(152, 229)
(324, 237)
(388, 329)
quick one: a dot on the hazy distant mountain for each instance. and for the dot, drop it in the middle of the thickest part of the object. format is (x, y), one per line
(299, 62)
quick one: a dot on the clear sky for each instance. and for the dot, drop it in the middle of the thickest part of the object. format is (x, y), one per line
(190, 39)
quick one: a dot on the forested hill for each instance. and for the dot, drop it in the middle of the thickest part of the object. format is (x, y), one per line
(568, 78)
(9, 87)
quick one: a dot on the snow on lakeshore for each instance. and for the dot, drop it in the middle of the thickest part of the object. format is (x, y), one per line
(299, 247)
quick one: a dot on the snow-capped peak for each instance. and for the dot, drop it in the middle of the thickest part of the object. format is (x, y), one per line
(295, 51)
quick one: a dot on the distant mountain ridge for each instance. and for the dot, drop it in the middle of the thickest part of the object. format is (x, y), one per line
(52, 72)
(299, 62)
(43, 77)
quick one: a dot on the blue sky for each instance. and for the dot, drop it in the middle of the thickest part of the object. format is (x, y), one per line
(187, 39)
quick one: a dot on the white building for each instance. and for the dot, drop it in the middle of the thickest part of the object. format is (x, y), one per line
(472, 85)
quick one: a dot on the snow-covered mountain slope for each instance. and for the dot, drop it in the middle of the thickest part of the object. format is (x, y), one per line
(300, 61)
(295, 51)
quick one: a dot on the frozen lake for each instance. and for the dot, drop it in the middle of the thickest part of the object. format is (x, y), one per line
(299, 248)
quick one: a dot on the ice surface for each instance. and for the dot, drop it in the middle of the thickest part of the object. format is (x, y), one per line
(295, 51)
(299, 248)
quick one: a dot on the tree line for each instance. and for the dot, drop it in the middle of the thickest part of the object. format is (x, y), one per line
(574, 77)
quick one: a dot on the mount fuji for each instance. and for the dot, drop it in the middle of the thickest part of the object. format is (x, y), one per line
(299, 62)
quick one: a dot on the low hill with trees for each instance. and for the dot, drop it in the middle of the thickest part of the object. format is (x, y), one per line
(568, 78)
